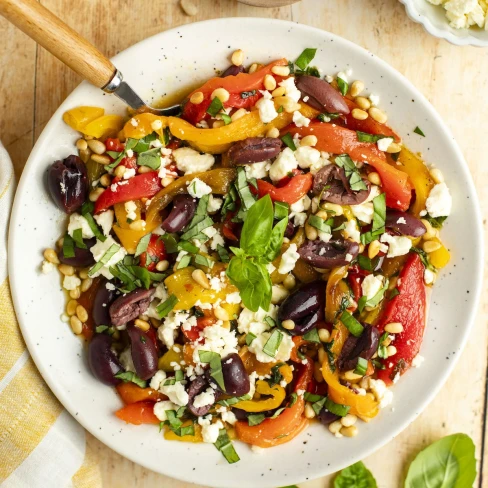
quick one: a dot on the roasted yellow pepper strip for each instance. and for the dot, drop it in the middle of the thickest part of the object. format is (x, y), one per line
(440, 257)
(170, 357)
(336, 291)
(276, 395)
(77, 118)
(171, 436)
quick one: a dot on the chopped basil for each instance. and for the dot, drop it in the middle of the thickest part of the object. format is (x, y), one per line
(127, 376)
(270, 321)
(275, 375)
(141, 145)
(224, 445)
(113, 249)
(277, 412)
(305, 58)
(281, 210)
(382, 352)
(436, 222)
(249, 338)
(187, 246)
(223, 254)
(319, 405)
(354, 327)
(226, 118)
(423, 257)
(293, 399)
(215, 107)
(170, 243)
(165, 307)
(87, 211)
(366, 263)
(336, 408)
(142, 245)
(361, 366)
(101, 328)
(330, 355)
(288, 140)
(197, 228)
(321, 224)
(312, 397)
(273, 343)
(247, 94)
(379, 218)
(419, 131)
(78, 238)
(184, 262)
(215, 362)
(68, 247)
(326, 117)
(203, 261)
(280, 109)
(372, 302)
(242, 186)
(150, 158)
(394, 293)
(255, 418)
(377, 364)
(173, 421)
(343, 86)
(365, 137)
(229, 201)
(352, 173)
(312, 336)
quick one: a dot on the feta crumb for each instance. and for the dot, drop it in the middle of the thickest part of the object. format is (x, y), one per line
(267, 110)
(99, 250)
(160, 409)
(47, 267)
(71, 282)
(429, 276)
(77, 221)
(300, 120)
(129, 173)
(384, 143)
(210, 432)
(229, 417)
(397, 245)
(307, 156)
(157, 379)
(282, 354)
(439, 202)
(214, 204)
(105, 220)
(257, 170)
(197, 188)
(176, 393)
(131, 208)
(284, 163)
(374, 99)
(371, 285)
(417, 361)
(126, 361)
(190, 161)
(205, 398)
(257, 449)
(234, 297)
(364, 212)
(290, 89)
(351, 231)
(288, 259)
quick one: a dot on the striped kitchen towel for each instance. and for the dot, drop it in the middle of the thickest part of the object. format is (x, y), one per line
(41, 445)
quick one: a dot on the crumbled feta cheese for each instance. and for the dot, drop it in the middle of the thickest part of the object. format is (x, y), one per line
(216, 339)
(290, 89)
(284, 163)
(105, 220)
(176, 393)
(288, 259)
(374, 99)
(214, 204)
(77, 221)
(381, 392)
(131, 208)
(129, 173)
(282, 354)
(229, 417)
(253, 322)
(429, 276)
(265, 105)
(210, 432)
(301, 205)
(300, 120)
(351, 231)
(71, 282)
(371, 285)
(205, 398)
(47, 267)
(233, 297)
(299, 219)
(397, 245)
(257, 170)
(172, 322)
(99, 250)
(126, 361)
(134, 122)
(157, 379)
(307, 156)
(384, 143)
(197, 188)
(401, 220)
(364, 212)
(160, 409)
(439, 202)
(190, 161)
(417, 361)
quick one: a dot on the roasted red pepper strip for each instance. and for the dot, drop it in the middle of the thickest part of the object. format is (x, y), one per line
(155, 250)
(339, 140)
(193, 333)
(135, 188)
(408, 308)
(295, 189)
(138, 413)
(235, 85)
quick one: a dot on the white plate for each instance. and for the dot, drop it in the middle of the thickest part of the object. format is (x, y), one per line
(435, 22)
(162, 64)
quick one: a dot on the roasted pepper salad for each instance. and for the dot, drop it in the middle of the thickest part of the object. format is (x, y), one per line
(257, 263)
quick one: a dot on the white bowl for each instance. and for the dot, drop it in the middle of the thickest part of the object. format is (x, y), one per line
(434, 20)
(163, 63)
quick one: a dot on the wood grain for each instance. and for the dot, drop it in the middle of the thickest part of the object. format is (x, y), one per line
(454, 79)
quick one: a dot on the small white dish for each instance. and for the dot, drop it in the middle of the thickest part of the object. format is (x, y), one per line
(434, 20)
(163, 64)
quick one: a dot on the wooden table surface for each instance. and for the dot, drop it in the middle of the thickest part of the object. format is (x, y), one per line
(454, 79)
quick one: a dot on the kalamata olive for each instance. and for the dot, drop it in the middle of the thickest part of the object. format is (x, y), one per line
(82, 258)
(143, 351)
(240, 414)
(254, 150)
(363, 346)
(67, 182)
(327, 417)
(236, 379)
(232, 71)
(326, 255)
(184, 207)
(101, 304)
(290, 229)
(305, 307)
(332, 184)
(321, 95)
(130, 306)
(102, 360)
(197, 386)
(404, 223)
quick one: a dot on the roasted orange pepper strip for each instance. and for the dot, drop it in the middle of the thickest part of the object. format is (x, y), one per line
(131, 393)
(138, 413)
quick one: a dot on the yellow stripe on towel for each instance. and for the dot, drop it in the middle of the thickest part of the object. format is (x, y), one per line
(88, 476)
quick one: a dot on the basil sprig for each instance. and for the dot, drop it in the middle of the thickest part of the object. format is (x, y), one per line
(379, 218)
(352, 173)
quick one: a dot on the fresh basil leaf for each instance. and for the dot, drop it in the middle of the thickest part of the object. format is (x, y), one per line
(281, 210)
(113, 154)
(87, 211)
(365, 137)
(249, 338)
(305, 57)
(224, 445)
(436, 222)
(419, 131)
(273, 343)
(192, 232)
(255, 418)
(142, 244)
(343, 86)
(150, 158)
(164, 308)
(366, 263)
(170, 242)
(203, 261)
(320, 224)
(276, 240)
(327, 117)
(226, 118)
(223, 254)
(215, 362)
(449, 462)
(188, 247)
(68, 247)
(78, 238)
(288, 140)
(379, 216)
(354, 327)
(352, 173)
(312, 336)
(257, 228)
(215, 107)
(356, 476)
(129, 376)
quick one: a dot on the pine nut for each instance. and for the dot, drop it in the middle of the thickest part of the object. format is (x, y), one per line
(144, 169)
(279, 92)
(199, 276)
(221, 314)
(364, 383)
(288, 324)
(217, 124)
(359, 114)
(221, 93)
(75, 294)
(289, 105)
(361, 248)
(81, 145)
(76, 325)
(317, 373)
(374, 249)
(162, 265)
(394, 328)
(273, 132)
(311, 232)
(281, 70)
(289, 282)
(71, 307)
(238, 114)
(378, 115)
(137, 225)
(119, 171)
(105, 180)
(363, 103)
(349, 431)
(394, 148)
(253, 68)
(349, 420)
(391, 350)
(437, 175)
(51, 256)
(85, 284)
(335, 427)
(60, 242)
(431, 246)
(83, 274)
(429, 230)
(100, 158)
(189, 7)
(351, 376)
(237, 57)
(278, 294)
(324, 335)
(95, 194)
(167, 181)
(197, 98)
(81, 313)
(143, 325)
(155, 322)
(66, 269)
(356, 88)
(321, 354)
(322, 214)
(374, 178)
(269, 82)
(309, 411)
(98, 147)
(156, 125)
(85, 155)
(310, 140)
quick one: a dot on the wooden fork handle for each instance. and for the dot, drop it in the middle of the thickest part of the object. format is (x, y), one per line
(59, 39)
